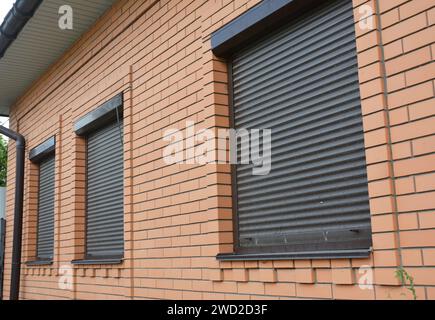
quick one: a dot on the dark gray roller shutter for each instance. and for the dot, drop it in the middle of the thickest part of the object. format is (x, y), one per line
(302, 82)
(105, 206)
(2, 253)
(45, 236)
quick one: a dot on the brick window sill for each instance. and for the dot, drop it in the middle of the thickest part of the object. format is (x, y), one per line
(97, 261)
(333, 254)
(37, 263)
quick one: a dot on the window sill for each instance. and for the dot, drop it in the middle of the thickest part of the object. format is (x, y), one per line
(332, 254)
(39, 263)
(97, 261)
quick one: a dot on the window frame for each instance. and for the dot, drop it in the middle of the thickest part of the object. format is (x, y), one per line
(37, 155)
(88, 256)
(228, 44)
(274, 252)
(38, 257)
(110, 111)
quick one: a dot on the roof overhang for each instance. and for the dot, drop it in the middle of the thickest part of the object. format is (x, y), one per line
(38, 41)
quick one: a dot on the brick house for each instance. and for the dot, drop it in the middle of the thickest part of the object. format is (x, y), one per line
(347, 88)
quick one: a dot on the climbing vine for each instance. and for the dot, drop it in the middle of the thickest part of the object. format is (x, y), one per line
(406, 280)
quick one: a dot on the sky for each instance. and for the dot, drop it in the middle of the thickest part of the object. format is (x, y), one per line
(5, 6)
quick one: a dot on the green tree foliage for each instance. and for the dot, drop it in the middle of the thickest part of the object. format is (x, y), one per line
(3, 161)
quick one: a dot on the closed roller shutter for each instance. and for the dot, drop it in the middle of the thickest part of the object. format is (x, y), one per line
(45, 236)
(302, 82)
(105, 218)
(2, 253)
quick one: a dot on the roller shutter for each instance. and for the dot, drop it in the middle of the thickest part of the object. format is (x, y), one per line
(302, 82)
(45, 228)
(2, 253)
(105, 218)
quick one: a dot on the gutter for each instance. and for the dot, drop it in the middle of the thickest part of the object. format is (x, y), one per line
(14, 22)
(20, 144)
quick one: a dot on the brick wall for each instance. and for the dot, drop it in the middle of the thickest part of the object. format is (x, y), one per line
(178, 217)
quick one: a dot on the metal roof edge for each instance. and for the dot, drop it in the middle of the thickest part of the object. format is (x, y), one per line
(15, 21)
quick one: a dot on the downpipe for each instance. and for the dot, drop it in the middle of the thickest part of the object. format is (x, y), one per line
(20, 145)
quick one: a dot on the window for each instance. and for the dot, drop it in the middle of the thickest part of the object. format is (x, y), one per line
(43, 155)
(302, 82)
(105, 193)
(103, 131)
(45, 235)
(2, 252)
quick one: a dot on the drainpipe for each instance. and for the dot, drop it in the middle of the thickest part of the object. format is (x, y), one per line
(20, 145)
(13, 23)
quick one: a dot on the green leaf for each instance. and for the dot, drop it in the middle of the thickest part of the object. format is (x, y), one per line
(3, 161)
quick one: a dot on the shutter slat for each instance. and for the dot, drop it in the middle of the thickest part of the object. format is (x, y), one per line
(300, 59)
(314, 66)
(302, 82)
(45, 227)
(313, 162)
(298, 94)
(105, 193)
(102, 214)
(274, 187)
(303, 209)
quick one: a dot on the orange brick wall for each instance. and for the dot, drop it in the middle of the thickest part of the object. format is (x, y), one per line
(178, 217)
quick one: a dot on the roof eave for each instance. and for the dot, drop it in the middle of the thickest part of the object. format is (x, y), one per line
(14, 22)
